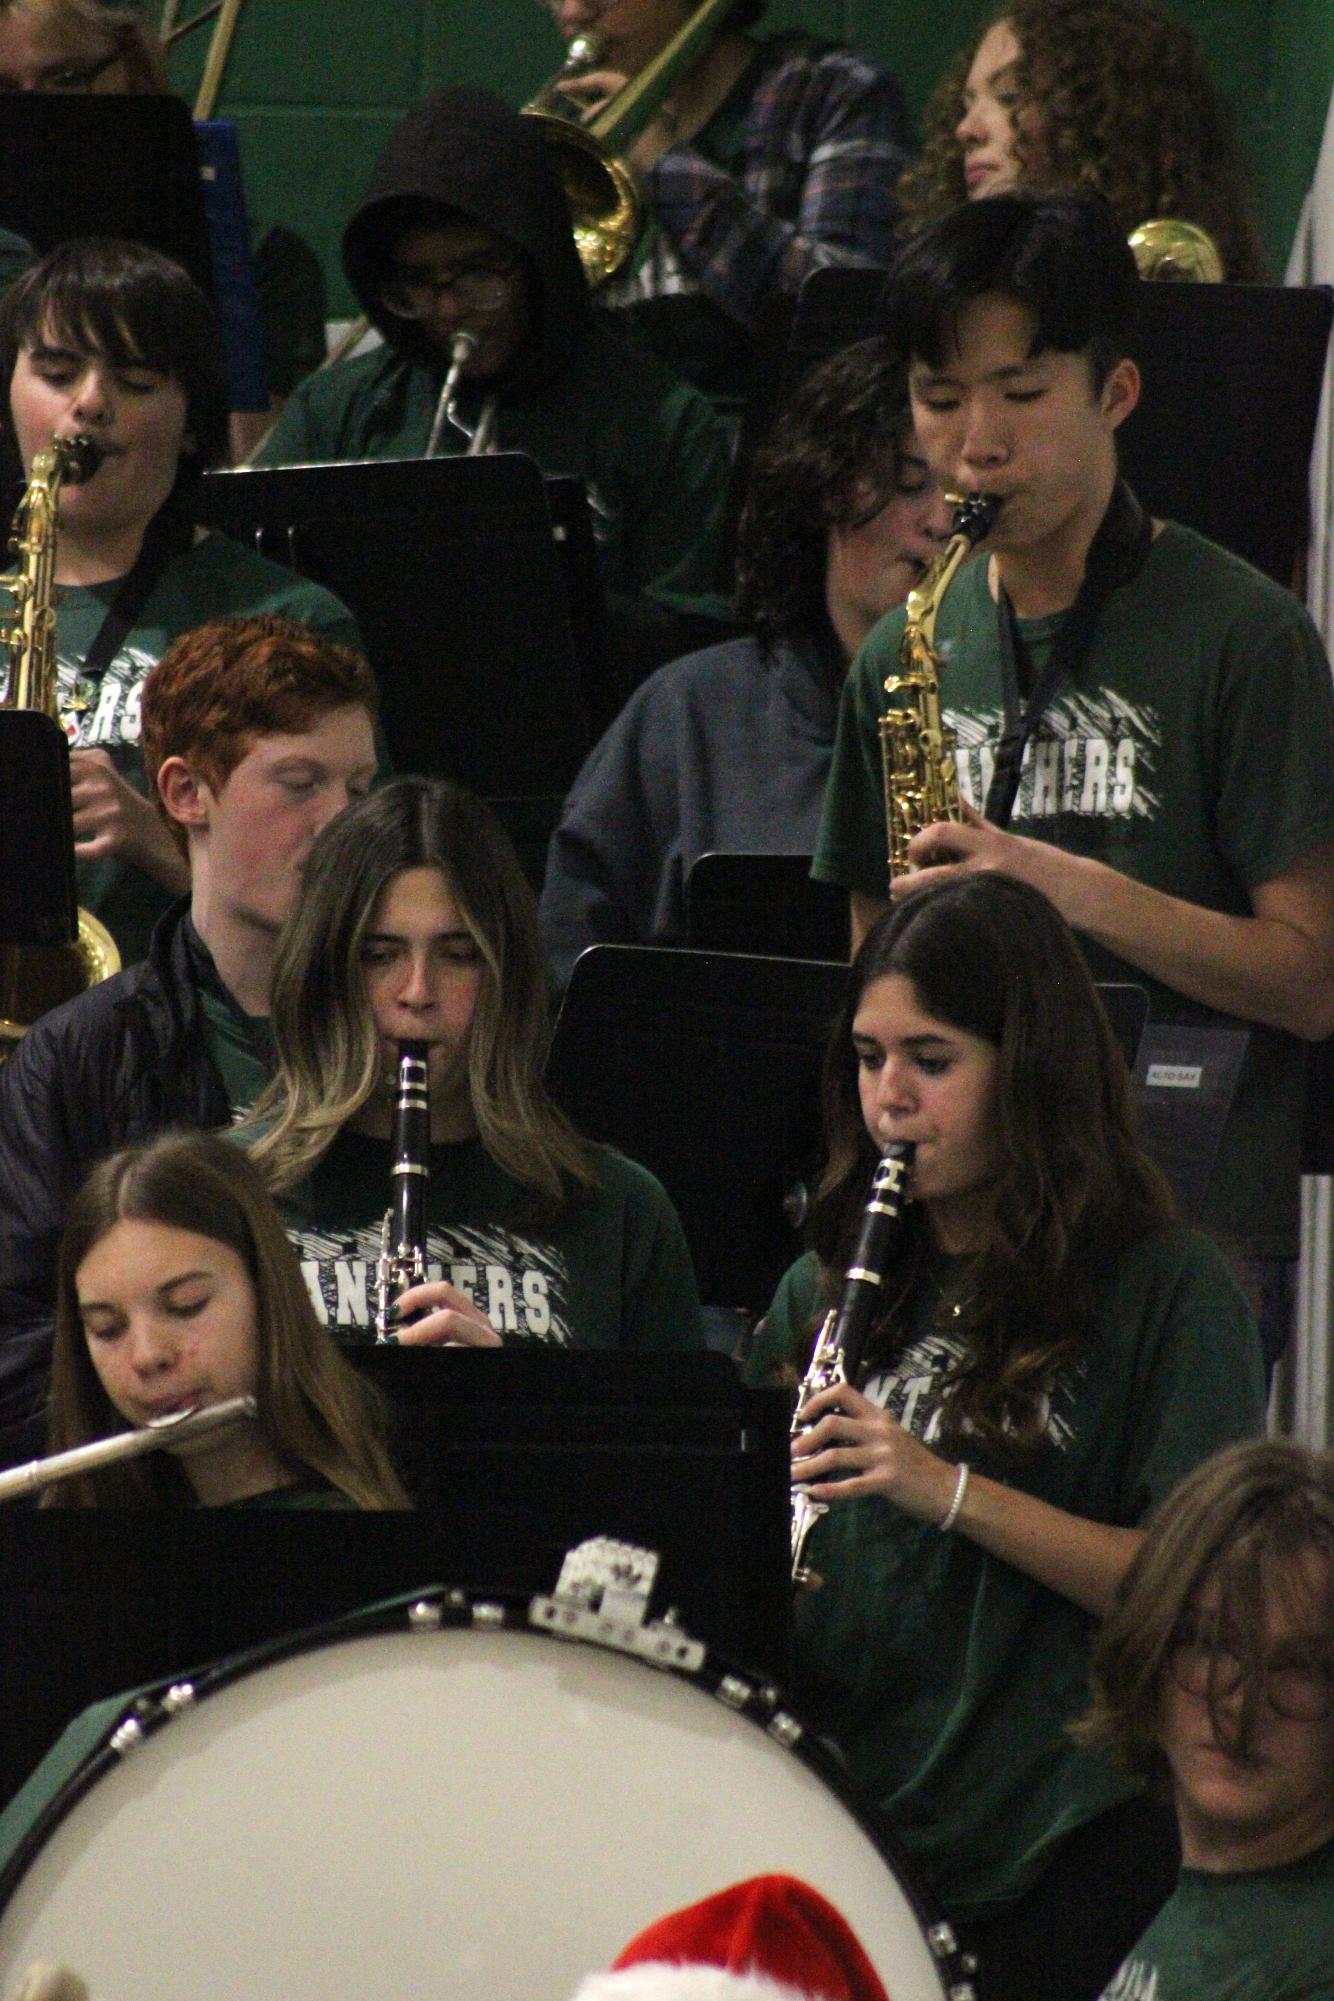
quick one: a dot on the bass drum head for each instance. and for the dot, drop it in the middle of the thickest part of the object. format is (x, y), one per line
(473, 1813)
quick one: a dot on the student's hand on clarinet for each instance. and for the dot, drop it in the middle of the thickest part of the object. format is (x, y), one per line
(852, 1447)
(439, 1315)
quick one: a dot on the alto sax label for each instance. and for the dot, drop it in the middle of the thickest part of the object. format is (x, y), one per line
(1175, 1076)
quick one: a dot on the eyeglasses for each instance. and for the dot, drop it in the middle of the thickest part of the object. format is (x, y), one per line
(68, 81)
(1299, 1686)
(479, 283)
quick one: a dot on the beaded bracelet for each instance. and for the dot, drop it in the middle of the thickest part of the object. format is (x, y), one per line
(951, 1515)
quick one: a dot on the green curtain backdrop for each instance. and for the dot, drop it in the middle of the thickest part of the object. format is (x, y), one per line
(316, 85)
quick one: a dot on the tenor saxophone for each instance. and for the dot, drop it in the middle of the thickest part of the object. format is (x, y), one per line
(841, 1342)
(921, 778)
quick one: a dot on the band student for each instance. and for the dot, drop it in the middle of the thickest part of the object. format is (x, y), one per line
(728, 750)
(1167, 710)
(415, 925)
(255, 733)
(1110, 97)
(178, 1289)
(767, 158)
(1215, 1672)
(111, 340)
(465, 232)
(1053, 1353)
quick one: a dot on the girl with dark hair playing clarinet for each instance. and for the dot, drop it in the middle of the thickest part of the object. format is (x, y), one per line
(1053, 1352)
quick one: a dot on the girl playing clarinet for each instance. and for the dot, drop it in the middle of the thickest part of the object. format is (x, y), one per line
(1053, 1353)
(417, 925)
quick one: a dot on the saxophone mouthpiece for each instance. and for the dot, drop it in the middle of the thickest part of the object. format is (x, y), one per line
(79, 456)
(975, 513)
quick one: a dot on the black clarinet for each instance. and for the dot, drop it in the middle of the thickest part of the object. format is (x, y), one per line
(841, 1344)
(402, 1260)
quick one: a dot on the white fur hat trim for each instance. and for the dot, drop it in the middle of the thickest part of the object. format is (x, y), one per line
(657, 1981)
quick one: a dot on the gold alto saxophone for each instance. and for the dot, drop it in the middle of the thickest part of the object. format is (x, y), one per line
(841, 1342)
(916, 750)
(36, 978)
(402, 1260)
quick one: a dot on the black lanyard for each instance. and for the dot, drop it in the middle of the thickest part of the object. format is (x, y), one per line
(1123, 540)
(168, 535)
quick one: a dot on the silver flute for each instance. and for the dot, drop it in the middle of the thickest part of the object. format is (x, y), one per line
(841, 1343)
(402, 1260)
(160, 1434)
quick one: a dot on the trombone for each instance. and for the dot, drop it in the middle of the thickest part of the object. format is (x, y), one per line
(226, 14)
(606, 205)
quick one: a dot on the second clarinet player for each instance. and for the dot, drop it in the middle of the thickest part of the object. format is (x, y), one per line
(841, 1342)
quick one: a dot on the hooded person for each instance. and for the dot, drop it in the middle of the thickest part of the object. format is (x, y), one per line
(465, 229)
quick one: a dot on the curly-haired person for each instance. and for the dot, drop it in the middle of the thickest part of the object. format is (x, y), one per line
(1112, 96)
(727, 750)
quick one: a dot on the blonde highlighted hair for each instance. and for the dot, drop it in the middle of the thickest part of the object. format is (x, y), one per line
(328, 1051)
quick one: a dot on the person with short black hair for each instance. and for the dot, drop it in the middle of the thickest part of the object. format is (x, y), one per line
(113, 341)
(770, 157)
(1167, 710)
(1049, 1354)
(728, 750)
(1214, 1673)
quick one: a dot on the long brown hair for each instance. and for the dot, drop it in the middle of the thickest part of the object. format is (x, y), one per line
(1072, 1187)
(1130, 111)
(316, 1413)
(328, 1060)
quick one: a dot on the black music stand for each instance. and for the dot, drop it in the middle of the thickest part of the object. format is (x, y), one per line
(705, 1066)
(104, 166)
(522, 1455)
(764, 903)
(1222, 435)
(450, 568)
(37, 882)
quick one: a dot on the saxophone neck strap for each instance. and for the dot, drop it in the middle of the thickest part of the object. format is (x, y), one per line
(1123, 540)
(168, 535)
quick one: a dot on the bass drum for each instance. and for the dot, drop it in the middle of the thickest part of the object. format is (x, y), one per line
(432, 1798)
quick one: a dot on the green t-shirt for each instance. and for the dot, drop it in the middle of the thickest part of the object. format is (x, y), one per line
(653, 453)
(1263, 1935)
(946, 1675)
(1195, 756)
(214, 579)
(611, 1270)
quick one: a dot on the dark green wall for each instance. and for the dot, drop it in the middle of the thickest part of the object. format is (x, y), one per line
(315, 89)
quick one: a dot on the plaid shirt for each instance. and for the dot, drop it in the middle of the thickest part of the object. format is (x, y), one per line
(800, 175)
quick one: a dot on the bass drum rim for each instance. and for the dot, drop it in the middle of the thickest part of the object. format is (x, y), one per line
(755, 1699)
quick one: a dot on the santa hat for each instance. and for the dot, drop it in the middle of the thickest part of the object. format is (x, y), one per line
(771, 1938)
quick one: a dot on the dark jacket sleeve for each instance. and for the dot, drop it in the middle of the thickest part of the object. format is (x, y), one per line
(51, 1128)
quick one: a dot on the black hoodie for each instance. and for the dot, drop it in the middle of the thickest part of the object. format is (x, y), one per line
(580, 396)
(466, 151)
